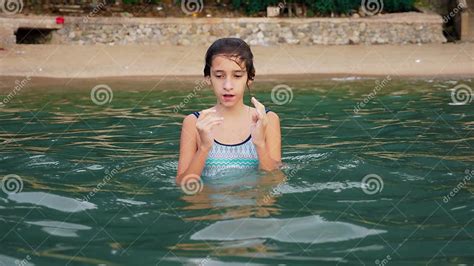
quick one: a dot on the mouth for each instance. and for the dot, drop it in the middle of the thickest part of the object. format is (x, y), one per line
(228, 97)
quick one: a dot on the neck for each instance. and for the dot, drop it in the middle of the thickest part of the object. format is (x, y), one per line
(231, 111)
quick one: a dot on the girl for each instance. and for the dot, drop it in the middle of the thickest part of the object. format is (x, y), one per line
(230, 134)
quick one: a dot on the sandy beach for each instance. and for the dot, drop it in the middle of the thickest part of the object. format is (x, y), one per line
(101, 61)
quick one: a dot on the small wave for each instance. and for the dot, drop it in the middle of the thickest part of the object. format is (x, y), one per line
(7, 260)
(131, 202)
(52, 201)
(307, 157)
(309, 229)
(334, 186)
(95, 167)
(43, 163)
(346, 78)
(57, 228)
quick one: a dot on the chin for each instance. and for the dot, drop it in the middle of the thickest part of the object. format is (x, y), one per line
(231, 103)
(228, 104)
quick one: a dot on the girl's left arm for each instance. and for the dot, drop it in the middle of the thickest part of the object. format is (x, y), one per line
(269, 152)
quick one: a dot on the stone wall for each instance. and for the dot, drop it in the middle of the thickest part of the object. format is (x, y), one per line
(398, 28)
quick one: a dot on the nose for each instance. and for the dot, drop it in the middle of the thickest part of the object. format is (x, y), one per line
(228, 84)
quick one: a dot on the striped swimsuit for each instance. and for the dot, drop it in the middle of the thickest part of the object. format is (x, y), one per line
(224, 157)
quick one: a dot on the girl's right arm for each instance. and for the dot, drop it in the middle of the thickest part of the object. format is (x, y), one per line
(193, 152)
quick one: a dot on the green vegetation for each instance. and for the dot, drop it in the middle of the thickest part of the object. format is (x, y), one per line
(137, 2)
(220, 8)
(323, 7)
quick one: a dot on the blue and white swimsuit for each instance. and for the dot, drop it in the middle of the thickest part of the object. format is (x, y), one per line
(223, 157)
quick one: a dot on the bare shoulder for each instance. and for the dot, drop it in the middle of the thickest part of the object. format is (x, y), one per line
(189, 121)
(273, 120)
(191, 118)
(272, 115)
(189, 127)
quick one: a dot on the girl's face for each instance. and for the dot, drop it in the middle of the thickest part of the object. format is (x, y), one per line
(228, 80)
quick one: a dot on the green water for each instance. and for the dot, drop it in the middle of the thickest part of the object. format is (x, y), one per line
(98, 180)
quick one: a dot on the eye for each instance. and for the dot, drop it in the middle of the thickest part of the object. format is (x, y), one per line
(238, 76)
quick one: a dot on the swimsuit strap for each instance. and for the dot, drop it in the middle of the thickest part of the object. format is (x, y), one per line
(197, 113)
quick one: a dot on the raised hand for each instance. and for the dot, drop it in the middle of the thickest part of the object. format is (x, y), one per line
(206, 121)
(259, 123)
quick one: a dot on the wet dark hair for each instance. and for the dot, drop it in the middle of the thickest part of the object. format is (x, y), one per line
(231, 47)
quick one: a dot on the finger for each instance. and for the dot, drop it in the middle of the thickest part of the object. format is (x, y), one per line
(255, 118)
(205, 118)
(214, 123)
(209, 125)
(214, 118)
(207, 112)
(259, 106)
(210, 120)
(256, 103)
(203, 125)
(209, 115)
